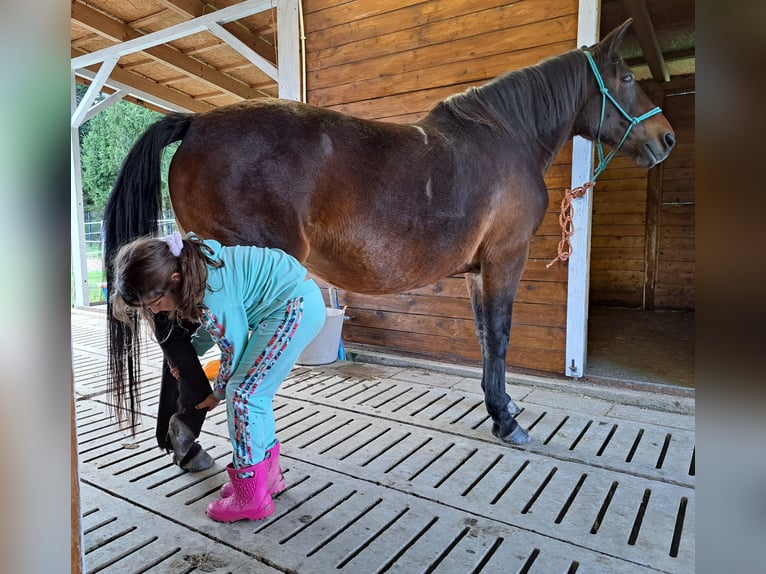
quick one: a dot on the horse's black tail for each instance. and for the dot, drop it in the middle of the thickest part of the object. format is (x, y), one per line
(132, 211)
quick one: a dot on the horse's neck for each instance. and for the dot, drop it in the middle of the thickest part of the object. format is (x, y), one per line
(541, 104)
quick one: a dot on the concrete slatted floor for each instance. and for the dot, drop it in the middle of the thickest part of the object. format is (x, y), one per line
(393, 469)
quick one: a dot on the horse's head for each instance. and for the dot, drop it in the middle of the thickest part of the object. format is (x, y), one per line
(617, 108)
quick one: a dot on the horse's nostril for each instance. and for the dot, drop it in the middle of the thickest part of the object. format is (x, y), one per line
(670, 139)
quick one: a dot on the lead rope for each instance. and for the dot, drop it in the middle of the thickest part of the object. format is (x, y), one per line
(565, 215)
(565, 221)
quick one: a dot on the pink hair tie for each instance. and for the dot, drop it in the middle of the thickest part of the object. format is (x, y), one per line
(175, 243)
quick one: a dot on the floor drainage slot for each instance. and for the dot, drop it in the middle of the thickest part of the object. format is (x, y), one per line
(530, 561)
(129, 552)
(344, 439)
(556, 430)
(508, 484)
(639, 517)
(307, 523)
(484, 473)
(604, 507)
(664, 451)
(326, 433)
(564, 509)
(582, 434)
(445, 409)
(406, 456)
(387, 448)
(457, 467)
(537, 420)
(104, 541)
(467, 412)
(488, 556)
(432, 461)
(356, 552)
(633, 449)
(676, 542)
(410, 543)
(409, 402)
(343, 528)
(363, 446)
(606, 440)
(539, 491)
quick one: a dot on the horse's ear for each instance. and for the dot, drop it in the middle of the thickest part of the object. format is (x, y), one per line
(612, 41)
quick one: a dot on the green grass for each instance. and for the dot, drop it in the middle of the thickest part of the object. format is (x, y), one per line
(94, 291)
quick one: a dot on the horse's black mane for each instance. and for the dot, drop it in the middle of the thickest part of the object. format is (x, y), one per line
(533, 100)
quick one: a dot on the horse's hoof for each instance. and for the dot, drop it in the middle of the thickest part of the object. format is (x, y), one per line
(181, 437)
(516, 437)
(200, 461)
(513, 408)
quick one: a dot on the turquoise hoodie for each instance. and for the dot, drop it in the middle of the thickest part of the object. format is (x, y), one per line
(253, 283)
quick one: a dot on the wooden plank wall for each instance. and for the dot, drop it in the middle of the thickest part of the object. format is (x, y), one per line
(674, 285)
(642, 253)
(618, 235)
(393, 60)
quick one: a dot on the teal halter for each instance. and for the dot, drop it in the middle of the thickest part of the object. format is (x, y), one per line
(633, 121)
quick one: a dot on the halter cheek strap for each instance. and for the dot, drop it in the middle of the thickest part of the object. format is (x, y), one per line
(632, 121)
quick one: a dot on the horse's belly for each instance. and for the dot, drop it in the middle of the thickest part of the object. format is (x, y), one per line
(379, 275)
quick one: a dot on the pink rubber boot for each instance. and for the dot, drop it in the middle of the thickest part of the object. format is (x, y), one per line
(250, 498)
(276, 482)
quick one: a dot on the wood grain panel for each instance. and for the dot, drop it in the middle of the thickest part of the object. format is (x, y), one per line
(394, 60)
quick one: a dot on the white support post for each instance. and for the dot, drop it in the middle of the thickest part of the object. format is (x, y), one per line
(110, 100)
(79, 258)
(288, 52)
(78, 116)
(578, 285)
(579, 261)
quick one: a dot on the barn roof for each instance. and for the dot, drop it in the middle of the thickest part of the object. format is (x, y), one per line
(236, 59)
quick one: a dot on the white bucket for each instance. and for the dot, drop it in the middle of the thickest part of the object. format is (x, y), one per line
(324, 347)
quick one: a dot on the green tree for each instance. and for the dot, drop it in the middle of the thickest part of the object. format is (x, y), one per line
(104, 144)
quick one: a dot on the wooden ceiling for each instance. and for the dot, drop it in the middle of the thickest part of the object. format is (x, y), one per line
(660, 43)
(197, 72)
(201, 71)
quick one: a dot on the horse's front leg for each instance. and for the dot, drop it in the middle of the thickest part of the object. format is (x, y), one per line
(492, 294)
(477, 303)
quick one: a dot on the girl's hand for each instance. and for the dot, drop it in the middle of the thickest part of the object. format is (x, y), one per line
(176, 373)
(209, 403)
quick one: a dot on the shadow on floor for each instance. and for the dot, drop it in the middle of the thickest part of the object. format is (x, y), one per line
(641, 346)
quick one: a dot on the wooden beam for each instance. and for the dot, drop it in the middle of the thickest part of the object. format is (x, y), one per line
(117, 31)
(130, 80)
(229, 14)
(197, 8)
(643, 28)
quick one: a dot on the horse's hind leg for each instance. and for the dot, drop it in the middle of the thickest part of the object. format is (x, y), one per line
(492, 295)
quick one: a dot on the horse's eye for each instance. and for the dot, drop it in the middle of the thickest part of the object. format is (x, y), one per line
(627, 78)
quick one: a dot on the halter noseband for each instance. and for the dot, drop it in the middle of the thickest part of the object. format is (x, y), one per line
(633, 121)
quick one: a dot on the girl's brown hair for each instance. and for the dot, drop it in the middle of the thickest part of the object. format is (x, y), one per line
(144, 269)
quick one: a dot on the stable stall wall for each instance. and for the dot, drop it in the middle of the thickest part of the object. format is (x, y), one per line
(643, 248)
(393, 60)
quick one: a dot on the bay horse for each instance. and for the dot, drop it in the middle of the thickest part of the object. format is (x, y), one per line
(375, 207)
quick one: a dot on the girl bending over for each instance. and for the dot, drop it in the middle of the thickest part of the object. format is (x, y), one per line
(261, 309)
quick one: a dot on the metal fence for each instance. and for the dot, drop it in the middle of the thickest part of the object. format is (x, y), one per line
(94, 234)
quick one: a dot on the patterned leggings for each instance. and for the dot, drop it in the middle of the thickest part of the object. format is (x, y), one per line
(271, 352)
